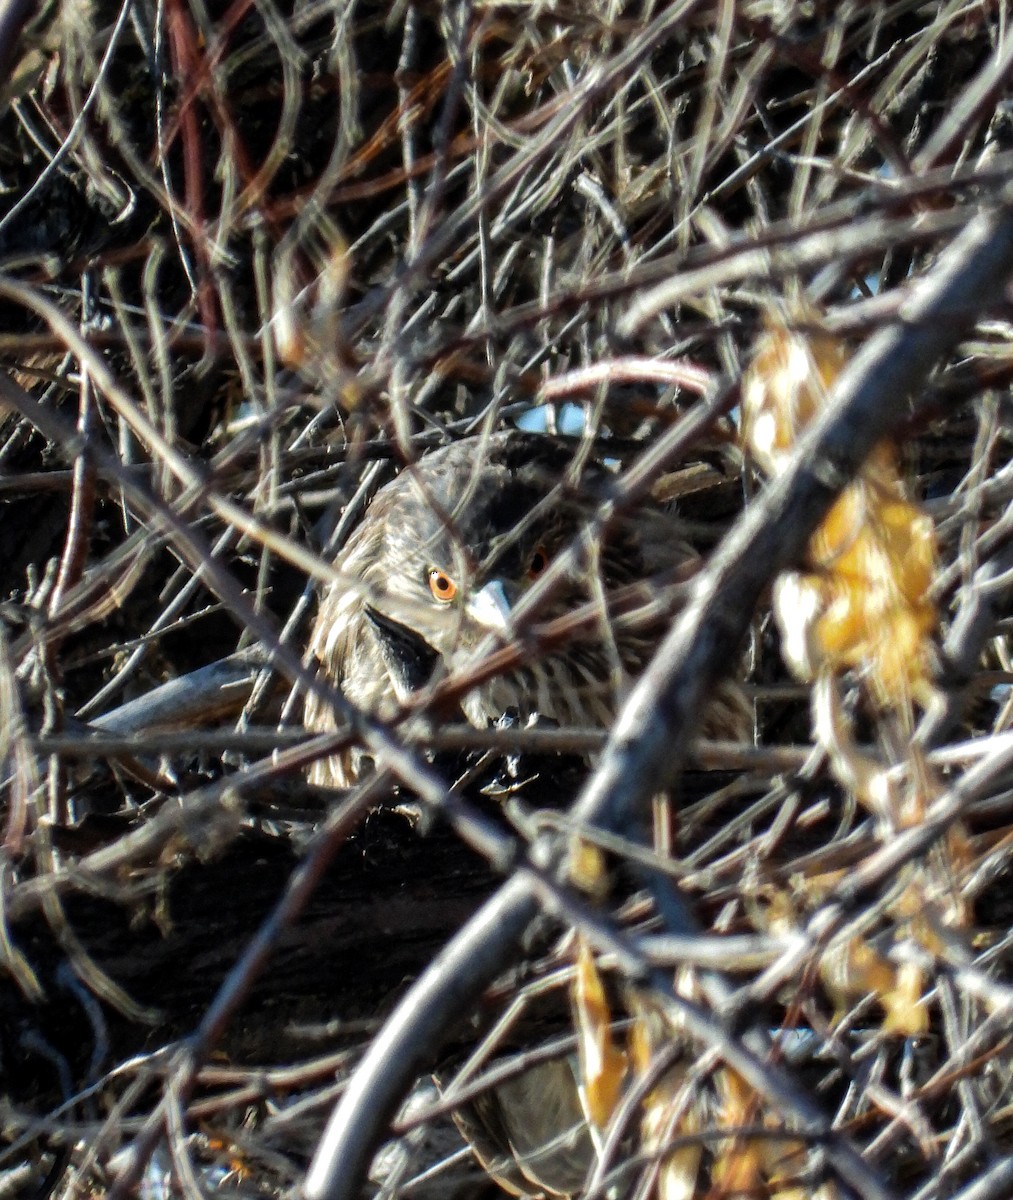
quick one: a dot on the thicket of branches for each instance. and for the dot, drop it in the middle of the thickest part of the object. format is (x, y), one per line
(255, 257)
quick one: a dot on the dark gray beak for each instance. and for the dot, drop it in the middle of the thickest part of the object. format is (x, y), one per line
(409, 659)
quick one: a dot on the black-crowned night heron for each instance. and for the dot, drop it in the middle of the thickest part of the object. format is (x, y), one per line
(442, 557)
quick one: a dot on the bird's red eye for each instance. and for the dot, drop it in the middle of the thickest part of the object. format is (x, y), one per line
(539, 561)
(441, 585)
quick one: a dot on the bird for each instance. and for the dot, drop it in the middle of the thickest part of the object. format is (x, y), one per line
(445, 553)
(529, 1133)
(442, 557)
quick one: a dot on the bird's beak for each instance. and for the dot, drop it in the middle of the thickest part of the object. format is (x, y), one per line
(409, 659)
(490, 607)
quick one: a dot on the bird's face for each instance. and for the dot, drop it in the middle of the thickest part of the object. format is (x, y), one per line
(453, 584)
(451, 555)
(435, 571)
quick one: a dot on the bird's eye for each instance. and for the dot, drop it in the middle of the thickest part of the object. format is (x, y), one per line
(441, 585)
(538, 562)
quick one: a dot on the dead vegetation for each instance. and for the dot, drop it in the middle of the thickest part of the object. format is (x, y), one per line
(256, 257)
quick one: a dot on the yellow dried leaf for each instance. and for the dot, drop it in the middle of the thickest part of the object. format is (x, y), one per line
(738, 1162)
(587, 867)
(840, 528)
(785, 386)
(899, 662)
(738, 1099)
(678, 1174)
(906, 1012)
(867, 607)
(738, 1168)
(841, 632)
(639, 1044)
(602, 1063)
(665, 1112)
(856, 970)
(864, 602)
(909, 542)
